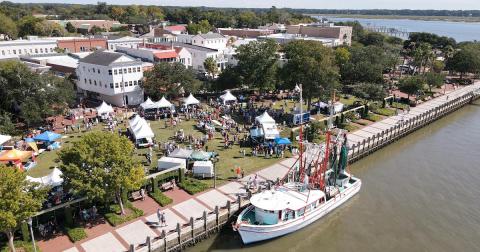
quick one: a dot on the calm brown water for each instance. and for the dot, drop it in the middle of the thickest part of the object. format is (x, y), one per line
(421, 193)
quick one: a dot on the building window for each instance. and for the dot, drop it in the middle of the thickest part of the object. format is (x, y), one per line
(41, 50)
(90, 81)
(36, 50)
(31, 51)
(110, 72)
(134, 82)
(115, 71)
(134, 70)
(124, 70)
(46, 50)
(116, 85)
(111, 85)
(129, 70)
(51, 49)
(130, 83)
(95, 82)
(14, 51)
(105, 85)
(139, 82)
(98, 70)
(138, 69)
(120, 71)
(85, 80)
(3, 52)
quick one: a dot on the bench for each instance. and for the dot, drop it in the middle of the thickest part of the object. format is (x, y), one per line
(167, 186)
(136, 195)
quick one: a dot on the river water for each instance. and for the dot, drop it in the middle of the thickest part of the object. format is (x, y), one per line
(421, 193)
(460, 31)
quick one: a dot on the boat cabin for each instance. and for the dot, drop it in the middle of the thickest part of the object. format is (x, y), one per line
(280, 205)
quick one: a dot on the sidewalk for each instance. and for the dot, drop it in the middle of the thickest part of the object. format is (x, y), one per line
(105, 238)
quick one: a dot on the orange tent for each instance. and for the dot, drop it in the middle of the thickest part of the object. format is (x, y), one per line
(15, 155)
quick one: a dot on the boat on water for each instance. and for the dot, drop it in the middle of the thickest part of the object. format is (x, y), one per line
(315, 185)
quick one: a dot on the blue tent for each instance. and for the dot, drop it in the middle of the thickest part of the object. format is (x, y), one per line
(29, 140)
(47, 136)
(279, 140)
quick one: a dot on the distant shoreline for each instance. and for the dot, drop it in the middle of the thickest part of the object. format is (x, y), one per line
(422, 18)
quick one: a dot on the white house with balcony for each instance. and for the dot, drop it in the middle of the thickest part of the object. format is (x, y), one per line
(35, 46)
(112, 77)
(129, 42)
(199, 54)
(209, 40)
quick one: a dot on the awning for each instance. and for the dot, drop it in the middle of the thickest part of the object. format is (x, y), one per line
(15, 155)
(164, 103)
(47, 136)
(282, 141)
(52, 179)
(190, 100)
(104, 108)
(148, 104)
(264, 118)
(4, 139)
(228, 97)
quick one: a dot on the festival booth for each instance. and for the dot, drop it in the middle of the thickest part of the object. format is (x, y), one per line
(104, 110)
(16, 157)
(190, 100)
(201, 155)
(165, 107)
(140, 131)
(48, 139)
(3, 140)
(181, 153)
(203, 169)
(325, 107)
(148, 108)
(53, 179)
(267, 127)
(228, 98)
(165, 163)
(282, 141)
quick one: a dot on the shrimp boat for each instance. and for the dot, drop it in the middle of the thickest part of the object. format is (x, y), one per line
(314, 186)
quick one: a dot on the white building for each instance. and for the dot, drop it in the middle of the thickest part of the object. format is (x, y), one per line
(283, 38)
(199, 54)
(209, 40)
(112, 77)
(127, 41)
(15, 48)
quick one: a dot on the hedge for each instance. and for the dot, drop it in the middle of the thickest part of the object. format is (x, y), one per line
(193, 186)
(384, 111)
(115, 218)
(76, 234)
(21, 246)
(161, 198)
(373, 117)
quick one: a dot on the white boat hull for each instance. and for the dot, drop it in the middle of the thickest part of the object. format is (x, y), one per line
(256, 233)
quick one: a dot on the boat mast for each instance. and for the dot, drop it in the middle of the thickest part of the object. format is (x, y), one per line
(324, 169)
(301, 172)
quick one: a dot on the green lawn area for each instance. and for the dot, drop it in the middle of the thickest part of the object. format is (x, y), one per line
(228, 158)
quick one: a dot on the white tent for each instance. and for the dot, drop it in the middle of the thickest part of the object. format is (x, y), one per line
(190, 100)
(104, 108)
(270, 131)
(134, 120)
(228, 97)
(165, 163)
(138, 124)
(164, 103)
(203, 169)
(143, 131)
(52, 179)
(264, 118)
(148, 104)
(4, 139)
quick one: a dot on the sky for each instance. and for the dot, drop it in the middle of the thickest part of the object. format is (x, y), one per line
(307, 4)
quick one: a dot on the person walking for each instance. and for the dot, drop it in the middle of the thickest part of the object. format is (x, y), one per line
(159, 216)
(164, 222)
(142, 193)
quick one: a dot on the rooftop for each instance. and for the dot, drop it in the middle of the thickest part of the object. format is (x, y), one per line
(195, 47)
(102, 58)
(211, 35)
(283, 198)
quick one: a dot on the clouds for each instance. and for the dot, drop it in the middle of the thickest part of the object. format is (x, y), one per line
(307, 4)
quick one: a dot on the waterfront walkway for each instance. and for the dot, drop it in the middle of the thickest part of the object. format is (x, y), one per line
(105, 238)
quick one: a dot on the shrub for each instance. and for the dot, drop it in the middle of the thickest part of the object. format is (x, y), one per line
(76, 234)
(193, 186)
(21, 246)
(115, 218)
(161, 198)
(384, 111)
(373, 117)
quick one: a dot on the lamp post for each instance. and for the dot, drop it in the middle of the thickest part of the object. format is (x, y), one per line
(214, 160)
(29, 222)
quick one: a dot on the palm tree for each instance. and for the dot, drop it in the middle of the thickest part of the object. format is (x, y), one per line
(210, 66)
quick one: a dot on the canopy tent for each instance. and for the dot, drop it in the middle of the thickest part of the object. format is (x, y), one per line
(148, 104)
(31, 143)
(164, 103)
(282, 141)
(337, 106)
(47, 136)
(52, 179)
(4, 139)
(144, 131)
(264, 118)
(165, 163)
(270, 131)
(104, 108)
(15, 155)
(228, 97)
(181, 153)
(134, 120)
(201, 155)
(190, 100)
(137, 124)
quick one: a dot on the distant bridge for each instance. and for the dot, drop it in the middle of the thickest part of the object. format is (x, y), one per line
(401, 33)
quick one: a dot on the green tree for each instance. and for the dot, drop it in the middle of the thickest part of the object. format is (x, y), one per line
(169, 78)
(200, 27)
(210, 66)
(6, 124)
(411, 85)
(423, 56)
(96, 30)
(28, 26)
(433, 79)
(70, 28)
(30, 96)
(311, 64)
(369, 91)
(465, 60)
(100, 166)
(257, 64)
(228, 79)
(8, 27)
(342, 56)
(19, 200)
(373, 38)
(366, 65)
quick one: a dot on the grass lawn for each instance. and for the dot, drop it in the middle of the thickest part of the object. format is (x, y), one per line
(228, 158)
